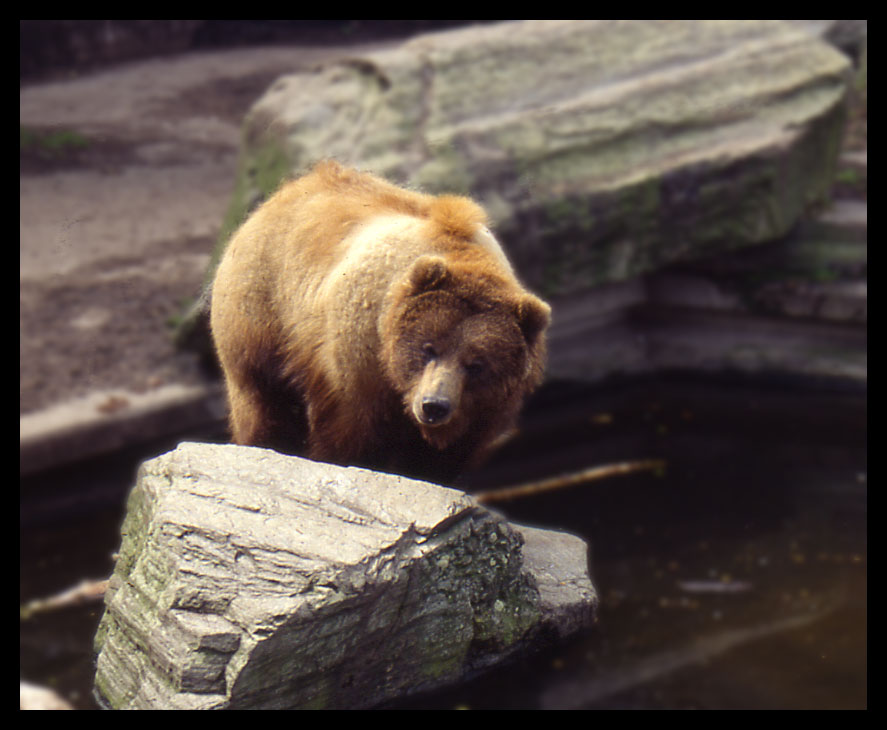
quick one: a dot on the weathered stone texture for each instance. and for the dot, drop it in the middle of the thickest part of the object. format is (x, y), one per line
(250, 579)
(603, 149)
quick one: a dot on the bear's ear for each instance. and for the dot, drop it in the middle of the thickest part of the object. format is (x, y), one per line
(428, 273)
(533, 316)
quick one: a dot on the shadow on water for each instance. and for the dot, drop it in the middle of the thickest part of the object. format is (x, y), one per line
(736, 578)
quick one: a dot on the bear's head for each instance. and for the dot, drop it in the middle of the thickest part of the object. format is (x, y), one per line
(462, 346)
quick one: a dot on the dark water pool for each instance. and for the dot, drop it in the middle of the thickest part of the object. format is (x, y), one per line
(735, 578)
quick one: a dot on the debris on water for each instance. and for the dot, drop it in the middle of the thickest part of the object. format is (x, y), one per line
(714, 586)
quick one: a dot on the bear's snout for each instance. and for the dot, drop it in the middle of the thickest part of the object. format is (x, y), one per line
(436, 397)
(435, 410)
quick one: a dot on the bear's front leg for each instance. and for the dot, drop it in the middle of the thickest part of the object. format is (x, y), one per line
(267, 415)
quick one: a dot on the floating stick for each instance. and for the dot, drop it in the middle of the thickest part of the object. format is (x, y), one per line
(567, 480)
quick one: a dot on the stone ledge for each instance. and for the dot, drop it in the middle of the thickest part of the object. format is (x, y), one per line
(105, 421)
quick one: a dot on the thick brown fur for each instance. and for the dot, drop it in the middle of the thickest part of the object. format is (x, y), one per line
(361, 323)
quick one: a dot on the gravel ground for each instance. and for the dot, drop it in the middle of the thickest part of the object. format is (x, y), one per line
(125, 175)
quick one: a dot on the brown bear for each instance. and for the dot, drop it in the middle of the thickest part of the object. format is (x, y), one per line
(360, 323)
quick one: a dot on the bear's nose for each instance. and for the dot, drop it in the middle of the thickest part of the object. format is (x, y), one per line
(435, 409)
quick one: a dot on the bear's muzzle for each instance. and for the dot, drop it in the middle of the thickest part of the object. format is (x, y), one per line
(436, 398)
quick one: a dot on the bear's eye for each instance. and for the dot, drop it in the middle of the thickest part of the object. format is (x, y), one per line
(428, 352)
(475, 368)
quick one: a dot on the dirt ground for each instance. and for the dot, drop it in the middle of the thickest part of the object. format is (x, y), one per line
(125, 174)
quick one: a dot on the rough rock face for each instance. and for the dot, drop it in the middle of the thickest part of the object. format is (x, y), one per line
(603, 149)
(247, 579)
(795, 307)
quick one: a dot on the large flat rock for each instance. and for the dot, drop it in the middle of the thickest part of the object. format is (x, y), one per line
(602, 149)
(247, 579)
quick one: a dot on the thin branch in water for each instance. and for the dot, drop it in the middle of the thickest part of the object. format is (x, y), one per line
(83, 592)
(568, 480)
